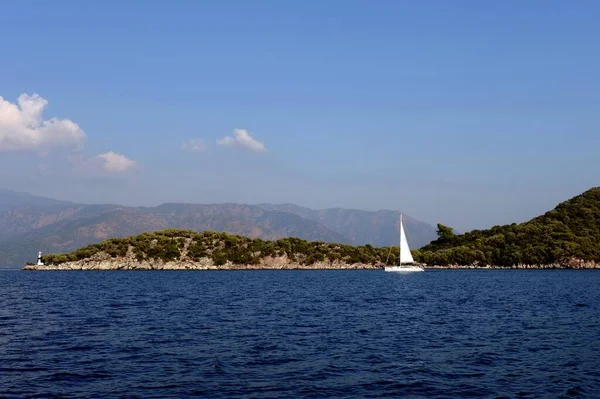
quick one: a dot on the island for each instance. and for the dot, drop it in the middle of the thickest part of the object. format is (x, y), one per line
(174, 249)
(566, 237)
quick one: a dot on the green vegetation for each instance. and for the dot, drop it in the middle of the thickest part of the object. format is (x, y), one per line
(571, 230)
(172, 244)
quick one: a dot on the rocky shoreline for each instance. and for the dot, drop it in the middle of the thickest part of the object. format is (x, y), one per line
(178, 266)
(102, 261)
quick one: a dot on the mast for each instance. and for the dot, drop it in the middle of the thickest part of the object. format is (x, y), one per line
(400, 243)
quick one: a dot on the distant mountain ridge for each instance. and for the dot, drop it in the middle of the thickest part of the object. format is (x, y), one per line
(29, 223)
(11, 199)
(364, 227)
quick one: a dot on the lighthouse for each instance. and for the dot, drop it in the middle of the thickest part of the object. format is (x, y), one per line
(40, 263)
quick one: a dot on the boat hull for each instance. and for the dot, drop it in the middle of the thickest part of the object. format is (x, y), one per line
(404, 269)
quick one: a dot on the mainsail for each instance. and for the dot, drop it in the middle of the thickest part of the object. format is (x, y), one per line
(405, 255)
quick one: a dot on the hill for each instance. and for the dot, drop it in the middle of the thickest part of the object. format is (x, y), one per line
(567, 236)
(58, 226)
(187, 249)
(12, 199)
(570, 233)
(379, 228)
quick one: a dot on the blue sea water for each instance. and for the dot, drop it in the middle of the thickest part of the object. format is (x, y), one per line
(313, 334)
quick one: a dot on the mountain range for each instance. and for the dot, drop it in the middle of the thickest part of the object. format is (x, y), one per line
(29, 223)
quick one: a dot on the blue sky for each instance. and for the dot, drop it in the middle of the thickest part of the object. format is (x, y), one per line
(468, 113)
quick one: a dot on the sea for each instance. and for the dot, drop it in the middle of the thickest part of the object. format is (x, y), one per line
(300, 334)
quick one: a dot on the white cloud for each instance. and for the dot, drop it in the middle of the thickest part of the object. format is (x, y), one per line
(115, 163)
(242, 138)
(23, 128)
(193, 145)
(227, 140)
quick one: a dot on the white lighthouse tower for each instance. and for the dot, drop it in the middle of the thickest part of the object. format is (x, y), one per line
(40, 263)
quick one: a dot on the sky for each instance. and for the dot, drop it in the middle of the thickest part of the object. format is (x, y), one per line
(466, 113)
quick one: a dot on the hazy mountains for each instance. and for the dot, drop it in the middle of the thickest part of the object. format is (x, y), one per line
(29, 223)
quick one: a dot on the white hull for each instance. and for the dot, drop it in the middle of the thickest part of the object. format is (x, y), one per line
(404, 269)
(404, 257)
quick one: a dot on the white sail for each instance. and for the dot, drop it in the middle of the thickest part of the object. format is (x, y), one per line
(405, 255)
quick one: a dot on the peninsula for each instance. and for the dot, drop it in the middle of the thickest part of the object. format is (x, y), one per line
(566, 237)
(175, 249)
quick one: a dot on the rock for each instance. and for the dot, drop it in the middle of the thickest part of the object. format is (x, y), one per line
(103, 261)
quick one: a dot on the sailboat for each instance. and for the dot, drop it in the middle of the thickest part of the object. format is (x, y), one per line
(405, 255)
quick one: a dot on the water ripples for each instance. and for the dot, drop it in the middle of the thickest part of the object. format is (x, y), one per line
(272, 334)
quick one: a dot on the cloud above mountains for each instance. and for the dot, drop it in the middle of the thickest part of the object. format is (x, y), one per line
(116, 163)
(193, 145)
(242, 138)
(23, 128)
